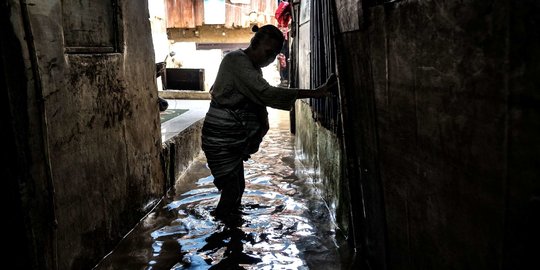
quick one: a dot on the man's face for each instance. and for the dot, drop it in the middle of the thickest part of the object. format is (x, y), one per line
(267, 51)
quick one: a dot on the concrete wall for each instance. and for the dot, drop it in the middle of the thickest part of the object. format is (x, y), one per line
(90, 118)
(180, 150)
(445, 131)
(319, 152)
(317, 149)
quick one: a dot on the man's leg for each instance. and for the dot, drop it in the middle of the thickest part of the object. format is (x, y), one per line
(241, 186)
(231, 192)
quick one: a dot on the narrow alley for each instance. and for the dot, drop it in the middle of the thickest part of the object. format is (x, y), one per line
(408, 139)
(285, 225)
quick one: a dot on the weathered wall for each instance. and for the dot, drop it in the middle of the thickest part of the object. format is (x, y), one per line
(96, 98)
(31, 217)
(319, 152)
(522, 192)
(318, 149)
(447, 117)
(180, 150)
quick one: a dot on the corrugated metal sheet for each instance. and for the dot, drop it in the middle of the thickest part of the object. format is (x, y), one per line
(190, 13)
(323, 61)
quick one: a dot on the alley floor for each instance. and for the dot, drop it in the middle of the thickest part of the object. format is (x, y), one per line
(285, 224)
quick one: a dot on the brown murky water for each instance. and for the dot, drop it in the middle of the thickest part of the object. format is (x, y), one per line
(283, 225)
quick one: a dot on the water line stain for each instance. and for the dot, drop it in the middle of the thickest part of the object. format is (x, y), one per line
(281, 226)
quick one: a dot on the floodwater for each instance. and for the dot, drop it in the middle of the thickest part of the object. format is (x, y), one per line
(283, 226)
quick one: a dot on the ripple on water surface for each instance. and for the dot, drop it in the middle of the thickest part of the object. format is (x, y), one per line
(274, 232)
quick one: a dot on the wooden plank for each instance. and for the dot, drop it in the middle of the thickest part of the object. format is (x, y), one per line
(180, 14)
(199, 12)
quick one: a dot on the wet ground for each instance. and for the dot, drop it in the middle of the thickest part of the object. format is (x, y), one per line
(284, 225)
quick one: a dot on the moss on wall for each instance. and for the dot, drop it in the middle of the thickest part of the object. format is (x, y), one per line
(319, 151)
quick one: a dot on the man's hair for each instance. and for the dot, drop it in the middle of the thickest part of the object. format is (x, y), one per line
(266, 31)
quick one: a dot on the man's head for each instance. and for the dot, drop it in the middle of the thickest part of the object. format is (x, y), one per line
(266, 44)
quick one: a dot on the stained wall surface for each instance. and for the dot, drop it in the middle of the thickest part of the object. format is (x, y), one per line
(92, 134)
(446, 94)
(441, 130)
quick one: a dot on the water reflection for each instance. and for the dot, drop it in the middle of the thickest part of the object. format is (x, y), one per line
(275, 230)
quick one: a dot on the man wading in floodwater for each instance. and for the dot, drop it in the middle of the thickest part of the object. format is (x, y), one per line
(237, 120)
